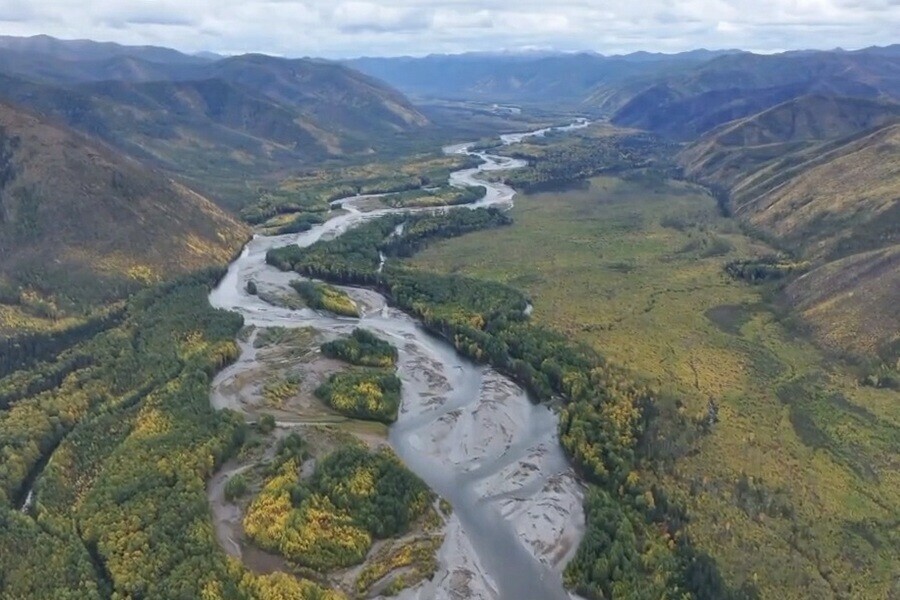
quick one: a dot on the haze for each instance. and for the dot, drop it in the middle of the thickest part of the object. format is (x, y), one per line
(416, 27)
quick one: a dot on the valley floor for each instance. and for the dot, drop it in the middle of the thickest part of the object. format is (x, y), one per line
(795, 489)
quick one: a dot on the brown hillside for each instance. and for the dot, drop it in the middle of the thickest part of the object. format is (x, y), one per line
(83, 224)
(821, 177)
(852, 302)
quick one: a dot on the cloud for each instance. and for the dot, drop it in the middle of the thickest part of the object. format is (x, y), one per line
(389, 27)
(351, 17)
(16, 11)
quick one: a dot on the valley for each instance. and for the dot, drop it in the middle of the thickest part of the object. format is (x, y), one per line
(473, 435)
(633, 268)
(270, 328)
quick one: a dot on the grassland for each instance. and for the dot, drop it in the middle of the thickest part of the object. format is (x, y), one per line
(795, 488)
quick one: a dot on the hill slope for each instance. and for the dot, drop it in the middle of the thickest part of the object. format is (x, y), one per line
(687, 104)
(82, 225)
(212, 120)
(822, 177)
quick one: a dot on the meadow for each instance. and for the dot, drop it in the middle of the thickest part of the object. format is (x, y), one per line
(794, 485)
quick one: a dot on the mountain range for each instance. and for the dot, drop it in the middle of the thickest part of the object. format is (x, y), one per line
(201, 118)
(820, 176)
(536, 79)
(802, 146)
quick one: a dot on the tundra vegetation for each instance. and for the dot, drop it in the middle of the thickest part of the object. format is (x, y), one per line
(782, 450)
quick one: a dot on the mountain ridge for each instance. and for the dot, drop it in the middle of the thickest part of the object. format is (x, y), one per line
(821, 176)
(81, 224)
(212, 121)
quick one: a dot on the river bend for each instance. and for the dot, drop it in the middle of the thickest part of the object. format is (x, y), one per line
(469, 432)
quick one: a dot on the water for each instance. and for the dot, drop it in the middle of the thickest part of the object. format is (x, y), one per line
(470, 433)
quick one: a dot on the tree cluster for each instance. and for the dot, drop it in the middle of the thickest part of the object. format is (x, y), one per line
(602, 424)
(370, 394)
(363, 348)
(325, 297)
(330, 521)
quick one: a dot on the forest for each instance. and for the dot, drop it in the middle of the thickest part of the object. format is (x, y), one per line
(556, 163)
(356, 258)
(330, 521)
(362, 348)
(605, 421)
(129, 441)
(321, 296)
(314, 190)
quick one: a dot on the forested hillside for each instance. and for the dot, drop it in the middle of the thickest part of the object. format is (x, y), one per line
(81, 226)
(208, 119)
(129, 440)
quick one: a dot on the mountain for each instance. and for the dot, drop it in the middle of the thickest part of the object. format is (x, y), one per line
(820, 176)
(520, 78)
(81, 224)
(252, 105)
(343, 96)
(851, 303)
(325, 90)
(89, 50)
(215, 122)
(686, 104)
(729, 152)
(50, 69)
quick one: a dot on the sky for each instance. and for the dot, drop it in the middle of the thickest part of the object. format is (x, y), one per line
(343, 29)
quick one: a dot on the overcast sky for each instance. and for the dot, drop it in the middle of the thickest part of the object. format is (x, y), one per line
(335, 28)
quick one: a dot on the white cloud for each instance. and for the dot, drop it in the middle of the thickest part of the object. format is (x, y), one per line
(369, 16)
(389, 27)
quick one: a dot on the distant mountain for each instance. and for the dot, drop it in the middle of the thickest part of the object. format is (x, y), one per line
(89, 50)
(81, 224)
(821, 176)
(735, 149)
(521, 78)
(51, 69)
(686, 104)
(207, 119)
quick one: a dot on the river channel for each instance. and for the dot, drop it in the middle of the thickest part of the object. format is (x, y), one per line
(470, 433)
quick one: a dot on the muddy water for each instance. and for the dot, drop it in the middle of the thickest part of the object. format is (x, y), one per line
(469, 432)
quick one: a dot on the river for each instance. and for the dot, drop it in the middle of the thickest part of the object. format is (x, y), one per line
(469, 432)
